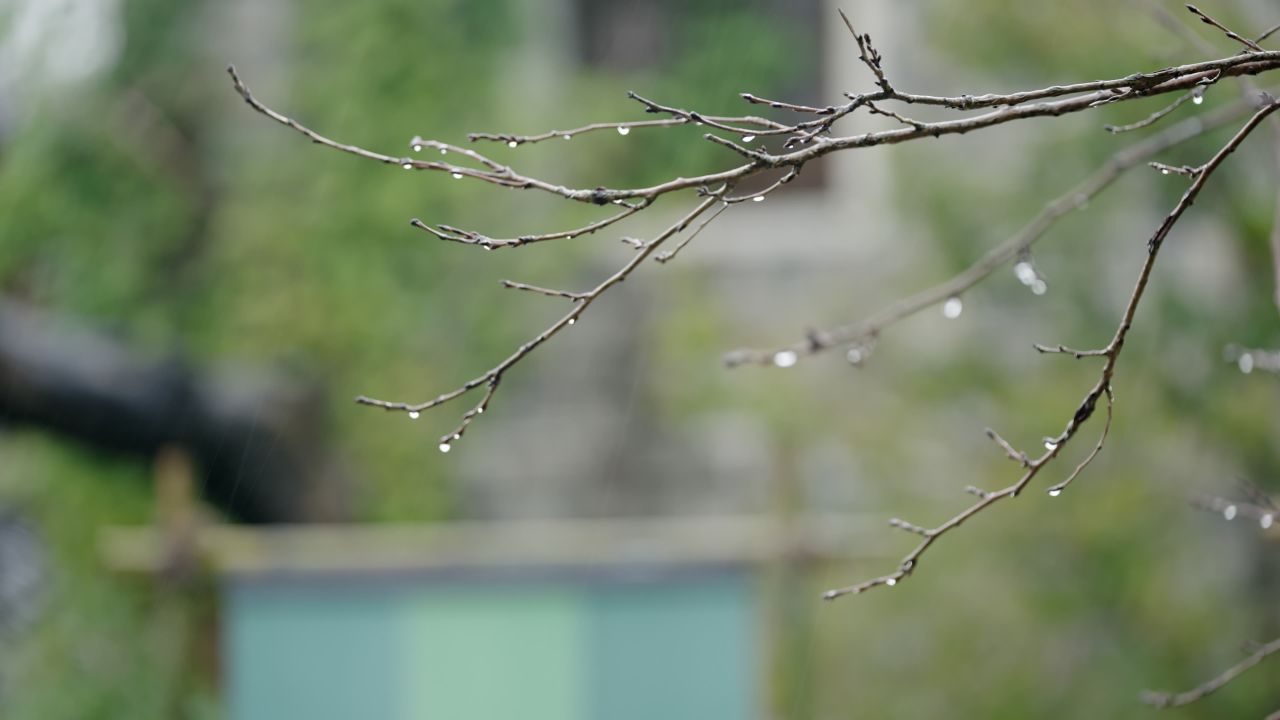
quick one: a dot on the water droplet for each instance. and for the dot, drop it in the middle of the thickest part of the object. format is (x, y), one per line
(748, 138)
(1266, 521)
(1164, 171)
(445, 447)
(952, 308)
(444, 151)
(480, 410)
(1197, 98)
(457, 176)
(854, 356)
(413, 414)
(512, 143)
(758, 198)
(624, 130)
(1229, 512)
(1245, 363)
(1039, 287)
(457, 436)
(1050, 445)
(573, 320)
(1055, 492)
(1025, 272)
(407, 166)
(417, 147)
(891, 582)
(785, 358)
(567, 137)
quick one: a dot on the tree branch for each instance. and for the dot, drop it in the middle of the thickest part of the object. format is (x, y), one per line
(1168, 700)
(869, 329)
(1054, 445)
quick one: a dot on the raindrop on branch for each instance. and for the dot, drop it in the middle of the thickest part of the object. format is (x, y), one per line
(445, 447)
(1229, 512)
(414, 414)
(512, 143)
(1245, 363)
(457, 176)
(855, 356)
(748, 138)
(573, 320)
(567, 137)
(1197, 95)
(1039, 287)
(624, 130)
(891, 582)
(1025, 272)
(785, 358)
(952, 308)
(407, 165)
(1050, 445)
(1055, 492)
(1266, 521)
(758, 198)
(417, 147)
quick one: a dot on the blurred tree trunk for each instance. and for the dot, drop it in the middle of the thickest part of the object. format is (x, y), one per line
(256, 437)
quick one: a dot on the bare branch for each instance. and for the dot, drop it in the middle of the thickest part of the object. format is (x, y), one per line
(1152, 118)
(543, 291)
(1053, 446)
(781, 105)
(467, 237)
(807, 140)
(1016, 108)
(1250, 359)
(1263, 511)
(1184, 170)
(869, 329)
(868, 54)
(1014, 454)
(666, 255)
(1167, 700)
(1064, 350)
(1204, 18)
(492, 377)
(1057, 489)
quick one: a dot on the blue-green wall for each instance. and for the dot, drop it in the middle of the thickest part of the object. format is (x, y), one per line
(669, 646)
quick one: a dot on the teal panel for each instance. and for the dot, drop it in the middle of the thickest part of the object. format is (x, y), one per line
(320, 651)
(498, 652)
(678, 648)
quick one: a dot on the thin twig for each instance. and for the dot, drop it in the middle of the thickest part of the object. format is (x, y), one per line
(1204, 18)
(1014, 454)
(550, 292)
(1056, 490)
(467, 237)
(1167, 700)
(1152, 118)
(666, 255)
